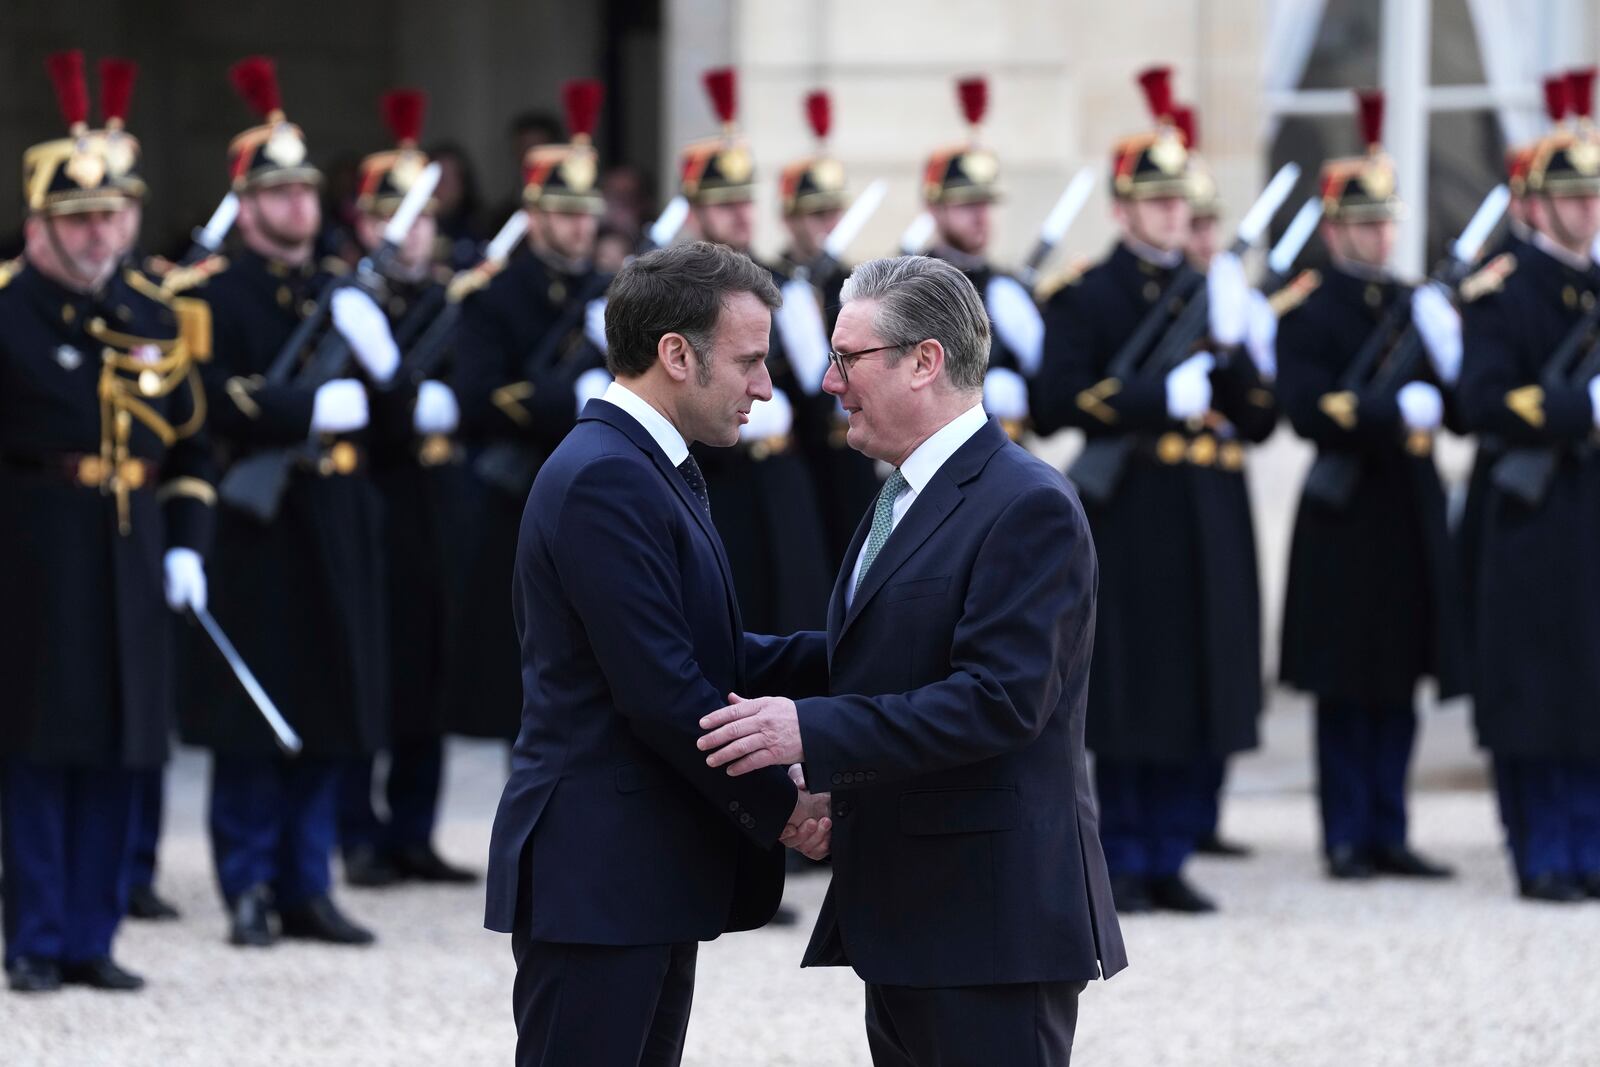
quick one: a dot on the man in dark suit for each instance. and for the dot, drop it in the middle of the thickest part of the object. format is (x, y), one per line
(969, 888)
(616, 848)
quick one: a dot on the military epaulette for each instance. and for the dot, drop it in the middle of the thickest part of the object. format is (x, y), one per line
(140, 283)
(1071, 274)
(335, 266)
(182, 279)
(470, 281)
(442, 274)
(1294, 294)
(8, 270)
(1490, 278)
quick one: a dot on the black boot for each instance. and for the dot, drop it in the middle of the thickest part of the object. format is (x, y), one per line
(29, 974)
(1551, 889)
(368, 868)
(102, 973)
(1214, 845)
(145, 903)
(1131, 894)
(1400, 860)
(422, 863)
(1348, 864)
(250, 918)
(319, 920)
(1173, 893)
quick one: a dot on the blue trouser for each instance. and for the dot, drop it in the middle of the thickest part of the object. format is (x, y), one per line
(273, 824)
(1151, 814)
(1551, 809)
(1363, 755)
(416, 771)
(65, 835)
(150, 787)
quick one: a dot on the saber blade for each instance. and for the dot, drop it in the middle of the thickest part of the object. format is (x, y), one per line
(1281, 259)
(1254, 223)
(849, 227)
(282, 732)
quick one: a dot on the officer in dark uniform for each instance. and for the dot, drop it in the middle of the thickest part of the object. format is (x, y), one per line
(418, 468)
(960, 183)
(811, 195)
(1537, 590)
(107, 498)
(762, 494)
(530, 354)
(301, 594)
(1370, 606)
(1175, 684)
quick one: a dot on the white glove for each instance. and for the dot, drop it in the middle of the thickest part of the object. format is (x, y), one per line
(1016, 319)
(768, 418)
(436, 410)
(1005, 394)
(1439, 323)
(1261, 336)
(1594, 399)
(1421, 406)
(365, 327)
(594, 323)
(185, 579)
(1228, 299)
(340, 407)
(1189, 387)
(590, 384)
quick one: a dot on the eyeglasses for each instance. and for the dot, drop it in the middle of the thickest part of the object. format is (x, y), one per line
(842, 361)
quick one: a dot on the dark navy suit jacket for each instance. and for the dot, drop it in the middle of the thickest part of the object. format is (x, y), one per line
(966, 846)
(611, 825)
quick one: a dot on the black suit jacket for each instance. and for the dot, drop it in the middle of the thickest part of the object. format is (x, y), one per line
(630, 633)
(966, 848)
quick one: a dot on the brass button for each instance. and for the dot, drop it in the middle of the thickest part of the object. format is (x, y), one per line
(285, 298)
(1419, 443)
(1569, 296)
(308, 308)
(1171, 448)
(1203, 451)
(436, 450)
(132, 474)
(91, 471)
(69, 314)
(1230, 457)
(343, 456)
(149, 383)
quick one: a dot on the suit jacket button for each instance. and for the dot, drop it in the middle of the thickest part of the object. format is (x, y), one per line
(849, 777)
(747, 819)
(841, 809)
(838, 779)
(733, 805)
(872, 776)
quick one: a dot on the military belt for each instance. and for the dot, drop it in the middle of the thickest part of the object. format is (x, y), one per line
(90, 470)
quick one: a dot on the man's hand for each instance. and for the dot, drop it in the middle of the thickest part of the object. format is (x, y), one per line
(748, 735)
(810, 830)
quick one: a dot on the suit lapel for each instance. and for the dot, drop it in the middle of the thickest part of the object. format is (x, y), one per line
(836, 602)
(615, 417)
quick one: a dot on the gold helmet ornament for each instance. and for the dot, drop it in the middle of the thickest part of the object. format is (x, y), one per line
(719, 170)
(816, 183)
(1362, 188)
(1154, 163)
(273, 153)
(565, 178)
(965, 173)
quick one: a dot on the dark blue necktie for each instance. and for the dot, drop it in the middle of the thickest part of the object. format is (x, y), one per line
(696, 481)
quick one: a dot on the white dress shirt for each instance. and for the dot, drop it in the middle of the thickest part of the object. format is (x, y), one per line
(919, 469)
(656, 425)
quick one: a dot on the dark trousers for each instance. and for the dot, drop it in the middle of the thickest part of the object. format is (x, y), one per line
(411, 792)
(65, 835)
(1551, 809)
(1210, 817)
(1025, 1025)
(273, 823)
(1363, 755)
(601, 1005)
(1151, 814)
(150, 790)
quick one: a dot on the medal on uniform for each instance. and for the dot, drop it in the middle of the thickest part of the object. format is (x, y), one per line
(68, 357)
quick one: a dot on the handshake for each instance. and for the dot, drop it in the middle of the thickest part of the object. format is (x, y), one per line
(748, 735)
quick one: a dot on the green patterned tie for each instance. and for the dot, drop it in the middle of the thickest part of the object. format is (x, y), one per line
(882, 523)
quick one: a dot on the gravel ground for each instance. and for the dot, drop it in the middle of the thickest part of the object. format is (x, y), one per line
(1296, 970)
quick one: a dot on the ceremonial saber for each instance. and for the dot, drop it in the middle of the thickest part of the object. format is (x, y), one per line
(1280, 261)
(282, 732)
(1056, 224)
(917, 235)
(1254, 224)
(208, 239)
(665, 229)
(515, 227)
(1484, 220)
(852, 222)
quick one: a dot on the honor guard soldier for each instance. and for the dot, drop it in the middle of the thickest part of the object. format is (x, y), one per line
(762, 496)
(417, 467)
(1529, 388)
(1175, 685)
(1370, 606)
(811, 195)
(531, 352)
(960, 183)
(107, 498)
(298, 582)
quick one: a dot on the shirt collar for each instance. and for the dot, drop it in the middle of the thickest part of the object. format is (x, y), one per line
(655, 424)
(925, 461)
(1575, 260)
(1151, 254)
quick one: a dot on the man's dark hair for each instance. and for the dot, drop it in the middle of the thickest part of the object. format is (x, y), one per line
(676, 290)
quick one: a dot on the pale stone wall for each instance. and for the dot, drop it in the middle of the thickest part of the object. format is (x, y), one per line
(1061, 90)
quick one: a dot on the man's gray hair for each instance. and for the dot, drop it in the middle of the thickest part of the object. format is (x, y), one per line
(921, 298)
